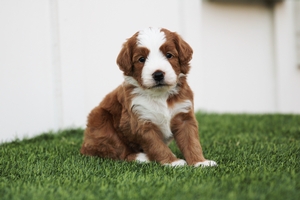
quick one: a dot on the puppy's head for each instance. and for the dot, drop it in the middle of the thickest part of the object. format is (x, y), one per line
(155, 58)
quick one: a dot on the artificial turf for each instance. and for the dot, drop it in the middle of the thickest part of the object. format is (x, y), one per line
(258, 158)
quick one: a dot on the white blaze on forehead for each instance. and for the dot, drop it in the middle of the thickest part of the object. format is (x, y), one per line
(153, 39)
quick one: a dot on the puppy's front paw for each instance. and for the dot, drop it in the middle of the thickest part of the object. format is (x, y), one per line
(176, 163)
(207, 163)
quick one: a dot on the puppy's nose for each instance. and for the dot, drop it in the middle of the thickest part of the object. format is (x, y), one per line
(158, 76)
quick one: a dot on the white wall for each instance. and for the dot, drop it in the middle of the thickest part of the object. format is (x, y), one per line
(237, 66)
(26, 87)
(287, 71)
(57, 57)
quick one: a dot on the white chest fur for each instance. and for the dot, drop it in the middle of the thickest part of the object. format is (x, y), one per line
(156, 110)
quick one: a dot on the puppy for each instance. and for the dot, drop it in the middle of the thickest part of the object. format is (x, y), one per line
(137, 120)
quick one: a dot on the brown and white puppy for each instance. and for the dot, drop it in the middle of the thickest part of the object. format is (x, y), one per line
(137, 120)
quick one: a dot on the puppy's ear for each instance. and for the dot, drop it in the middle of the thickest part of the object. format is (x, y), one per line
(124, 59)
(185, 53)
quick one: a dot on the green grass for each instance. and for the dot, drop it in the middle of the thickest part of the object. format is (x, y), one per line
(258, 157)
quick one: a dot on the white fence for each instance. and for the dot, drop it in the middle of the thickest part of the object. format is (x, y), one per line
(57, 57)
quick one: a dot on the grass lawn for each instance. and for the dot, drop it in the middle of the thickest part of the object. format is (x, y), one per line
(258, 157)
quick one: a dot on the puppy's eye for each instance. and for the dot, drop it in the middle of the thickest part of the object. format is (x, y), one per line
(168, 55)
(142, 59)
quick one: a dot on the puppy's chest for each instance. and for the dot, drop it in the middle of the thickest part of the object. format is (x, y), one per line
(157, 111)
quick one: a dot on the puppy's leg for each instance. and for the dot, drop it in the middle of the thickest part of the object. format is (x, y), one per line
(103, 144)
(101, 139)
(185, 129)
(154, 149)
